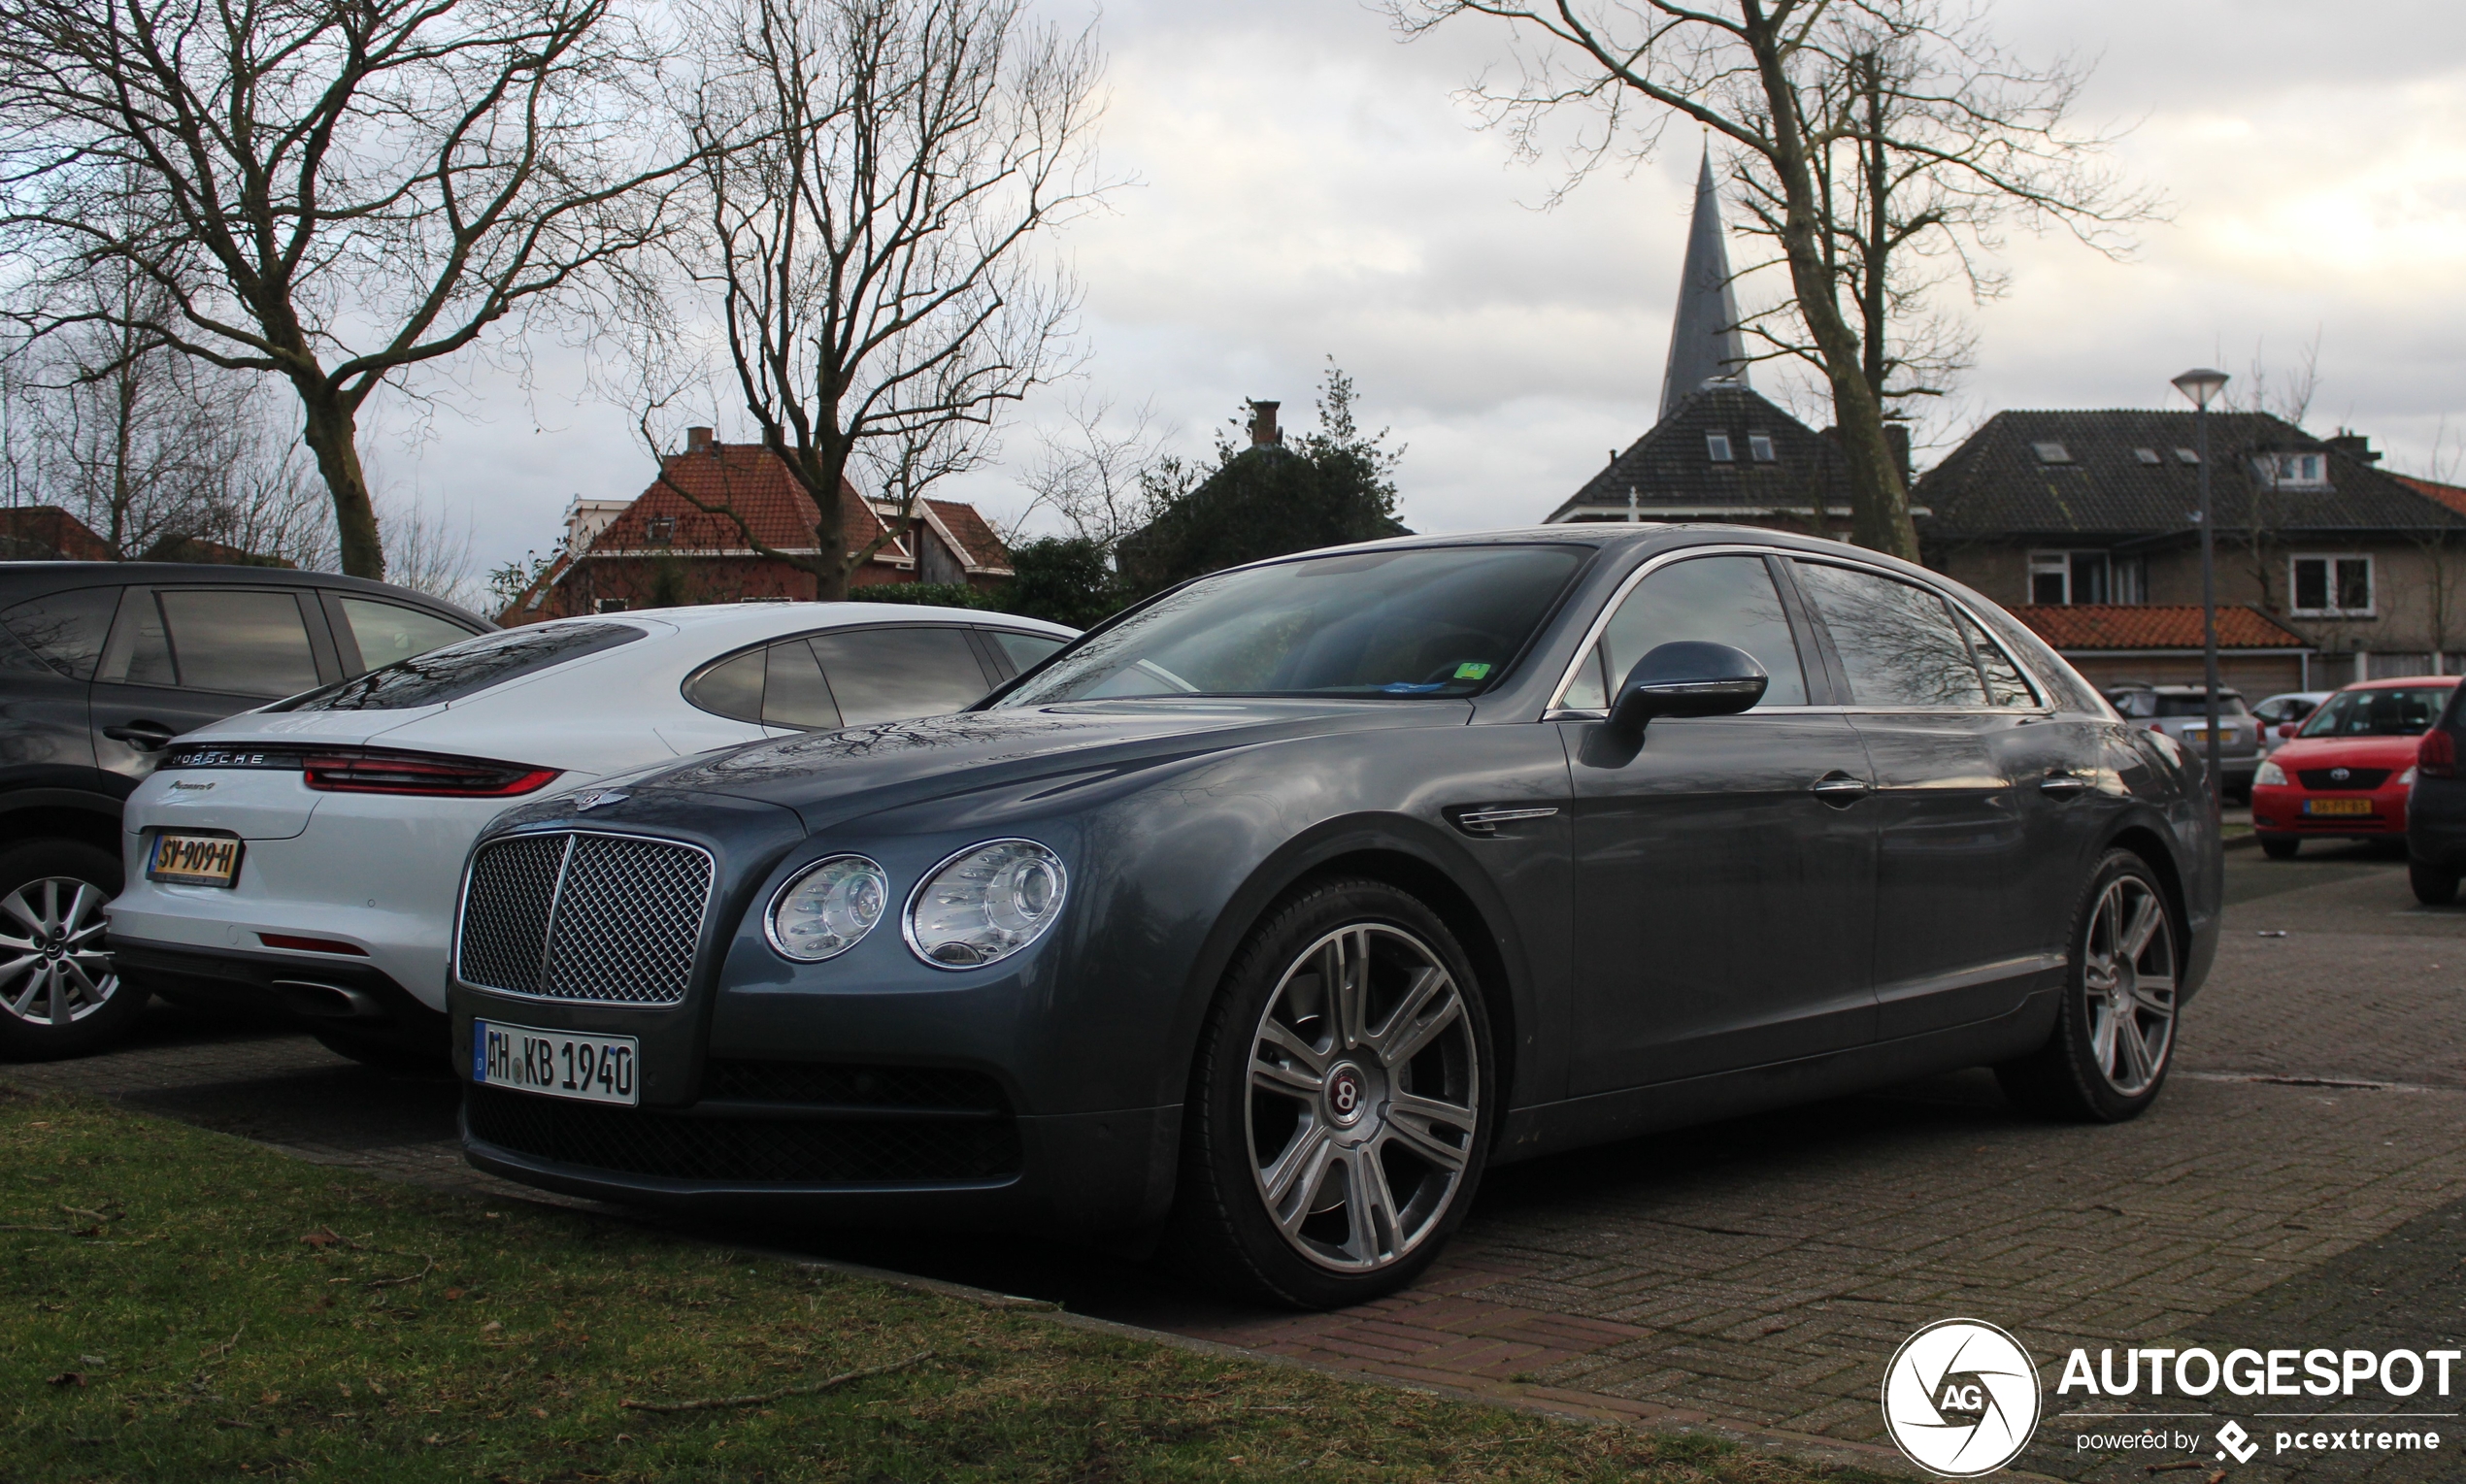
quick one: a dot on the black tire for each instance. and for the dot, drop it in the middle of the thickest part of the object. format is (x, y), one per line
(1363, 1210)
(2433, 887)
(2280, 847)
(2086, 1072)
(63, 883)
(396, 1057)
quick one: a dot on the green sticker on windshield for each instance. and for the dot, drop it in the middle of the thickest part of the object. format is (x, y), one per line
(1472, 670)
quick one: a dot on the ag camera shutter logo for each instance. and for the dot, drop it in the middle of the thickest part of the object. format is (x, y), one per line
(1961, 1398)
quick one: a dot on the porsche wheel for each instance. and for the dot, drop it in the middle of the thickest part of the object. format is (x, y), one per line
(1340, 1109)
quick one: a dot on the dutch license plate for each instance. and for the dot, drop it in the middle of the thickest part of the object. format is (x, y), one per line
(595, 1069)
(193, 860)
(2336, 806)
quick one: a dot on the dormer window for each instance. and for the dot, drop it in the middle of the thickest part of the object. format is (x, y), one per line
(2052, 452)
(1760, 448)
(663, 530)
(2294, 471)
(2187, 456)
(2148, 455)
(1716, 447)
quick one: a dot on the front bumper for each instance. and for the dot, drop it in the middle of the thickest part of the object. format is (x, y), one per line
(2279, 811)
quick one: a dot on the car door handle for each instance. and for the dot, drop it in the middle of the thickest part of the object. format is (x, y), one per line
(144, 736)
(2063, 785)
(1840, 790)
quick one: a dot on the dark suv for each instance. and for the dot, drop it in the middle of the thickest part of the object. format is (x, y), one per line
(101, 663)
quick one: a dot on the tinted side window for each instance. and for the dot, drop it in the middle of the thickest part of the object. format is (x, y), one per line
(1026, 650)
(467, 668)
(245, 643)
(65, 630)
(1725, 600)
(2006, 686)
(732, 688)
(386, 632)
(794, 693)
(1896, 642)
(890, 675)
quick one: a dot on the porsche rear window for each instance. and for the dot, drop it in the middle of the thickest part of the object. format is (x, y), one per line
(466, 668)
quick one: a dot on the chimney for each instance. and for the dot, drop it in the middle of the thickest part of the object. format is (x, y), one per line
(697, 440)
(2354, 446)
(1263, 434)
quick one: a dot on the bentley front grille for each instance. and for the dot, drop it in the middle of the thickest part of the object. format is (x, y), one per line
(612, 918)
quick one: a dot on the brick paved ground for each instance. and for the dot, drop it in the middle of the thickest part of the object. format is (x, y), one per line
(1757, 1275)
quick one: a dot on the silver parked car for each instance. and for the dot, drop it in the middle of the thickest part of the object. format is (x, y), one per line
(2284, 711)
(2181, 711)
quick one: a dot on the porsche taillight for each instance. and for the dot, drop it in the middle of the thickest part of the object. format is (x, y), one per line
(421, 774)
(2436, 757)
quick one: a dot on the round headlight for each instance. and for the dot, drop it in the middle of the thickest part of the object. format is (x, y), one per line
(984, 904)
(827, 908)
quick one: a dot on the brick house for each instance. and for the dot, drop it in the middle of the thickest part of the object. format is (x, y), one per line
(698, 533)
(46, 533)
(2048, 511)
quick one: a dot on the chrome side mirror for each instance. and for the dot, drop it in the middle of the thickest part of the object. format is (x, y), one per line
(1687, 678)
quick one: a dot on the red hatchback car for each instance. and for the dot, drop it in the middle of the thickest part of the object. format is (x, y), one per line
(2347, 771)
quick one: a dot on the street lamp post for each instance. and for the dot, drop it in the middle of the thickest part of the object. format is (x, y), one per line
(2202, 384)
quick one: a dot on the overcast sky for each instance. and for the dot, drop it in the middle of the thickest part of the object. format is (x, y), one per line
(1309, 188)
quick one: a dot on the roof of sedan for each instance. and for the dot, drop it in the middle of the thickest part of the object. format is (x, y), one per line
(2394, 683)
(766, 618)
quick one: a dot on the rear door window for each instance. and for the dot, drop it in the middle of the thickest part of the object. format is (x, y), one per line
(236, 641)
(65, 631)
(890, 675)
(1722, 600)
(794, 693)
(2006, 686)
(466, 668)
(1897, 642)
(386, 632)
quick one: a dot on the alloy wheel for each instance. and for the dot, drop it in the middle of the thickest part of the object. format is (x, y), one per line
(2129, 973)
(1364, 1098)
(53, 969)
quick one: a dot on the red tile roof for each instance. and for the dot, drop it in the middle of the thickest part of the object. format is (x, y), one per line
(2151, 626)
(979, 545)
(697, 489)
(49, 533)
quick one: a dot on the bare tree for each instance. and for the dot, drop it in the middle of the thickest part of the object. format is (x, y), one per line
(328, 191)
(874, 175)
(1094, 476)
(1860, 132)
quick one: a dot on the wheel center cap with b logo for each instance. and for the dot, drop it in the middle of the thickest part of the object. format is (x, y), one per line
(1348, 1094)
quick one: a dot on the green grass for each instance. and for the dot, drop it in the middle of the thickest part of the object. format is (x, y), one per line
(180, 1305)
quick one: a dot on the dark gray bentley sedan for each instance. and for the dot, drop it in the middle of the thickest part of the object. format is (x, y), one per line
(1274, 912)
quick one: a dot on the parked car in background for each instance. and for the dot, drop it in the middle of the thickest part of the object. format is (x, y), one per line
(303, 858)
(103, 663)
(2181, 711)
(2436, 809)
(1276, 909)
(2347, 773)
(2280, 714)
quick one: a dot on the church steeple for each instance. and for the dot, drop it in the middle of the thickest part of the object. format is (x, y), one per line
(1705, 343)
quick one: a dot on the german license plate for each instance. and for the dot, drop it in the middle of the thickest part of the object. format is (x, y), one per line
(593, 1069)
(193, 860)
(2336, 806)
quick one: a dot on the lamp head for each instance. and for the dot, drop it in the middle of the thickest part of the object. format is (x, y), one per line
(2201, 384)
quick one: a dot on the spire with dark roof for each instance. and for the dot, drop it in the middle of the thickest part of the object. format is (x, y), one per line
(1705, 343)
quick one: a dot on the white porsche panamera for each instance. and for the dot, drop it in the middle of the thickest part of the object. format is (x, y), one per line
(303, 858)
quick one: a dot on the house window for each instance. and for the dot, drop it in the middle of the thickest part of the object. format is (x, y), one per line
(2331, 587)
(1760, 448)
(1716, 447)
(2294, 471)
(2187, 456)
(2085, 576)
(2148, 455)
(608, 606)
(2052, 452)
(663, 530)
